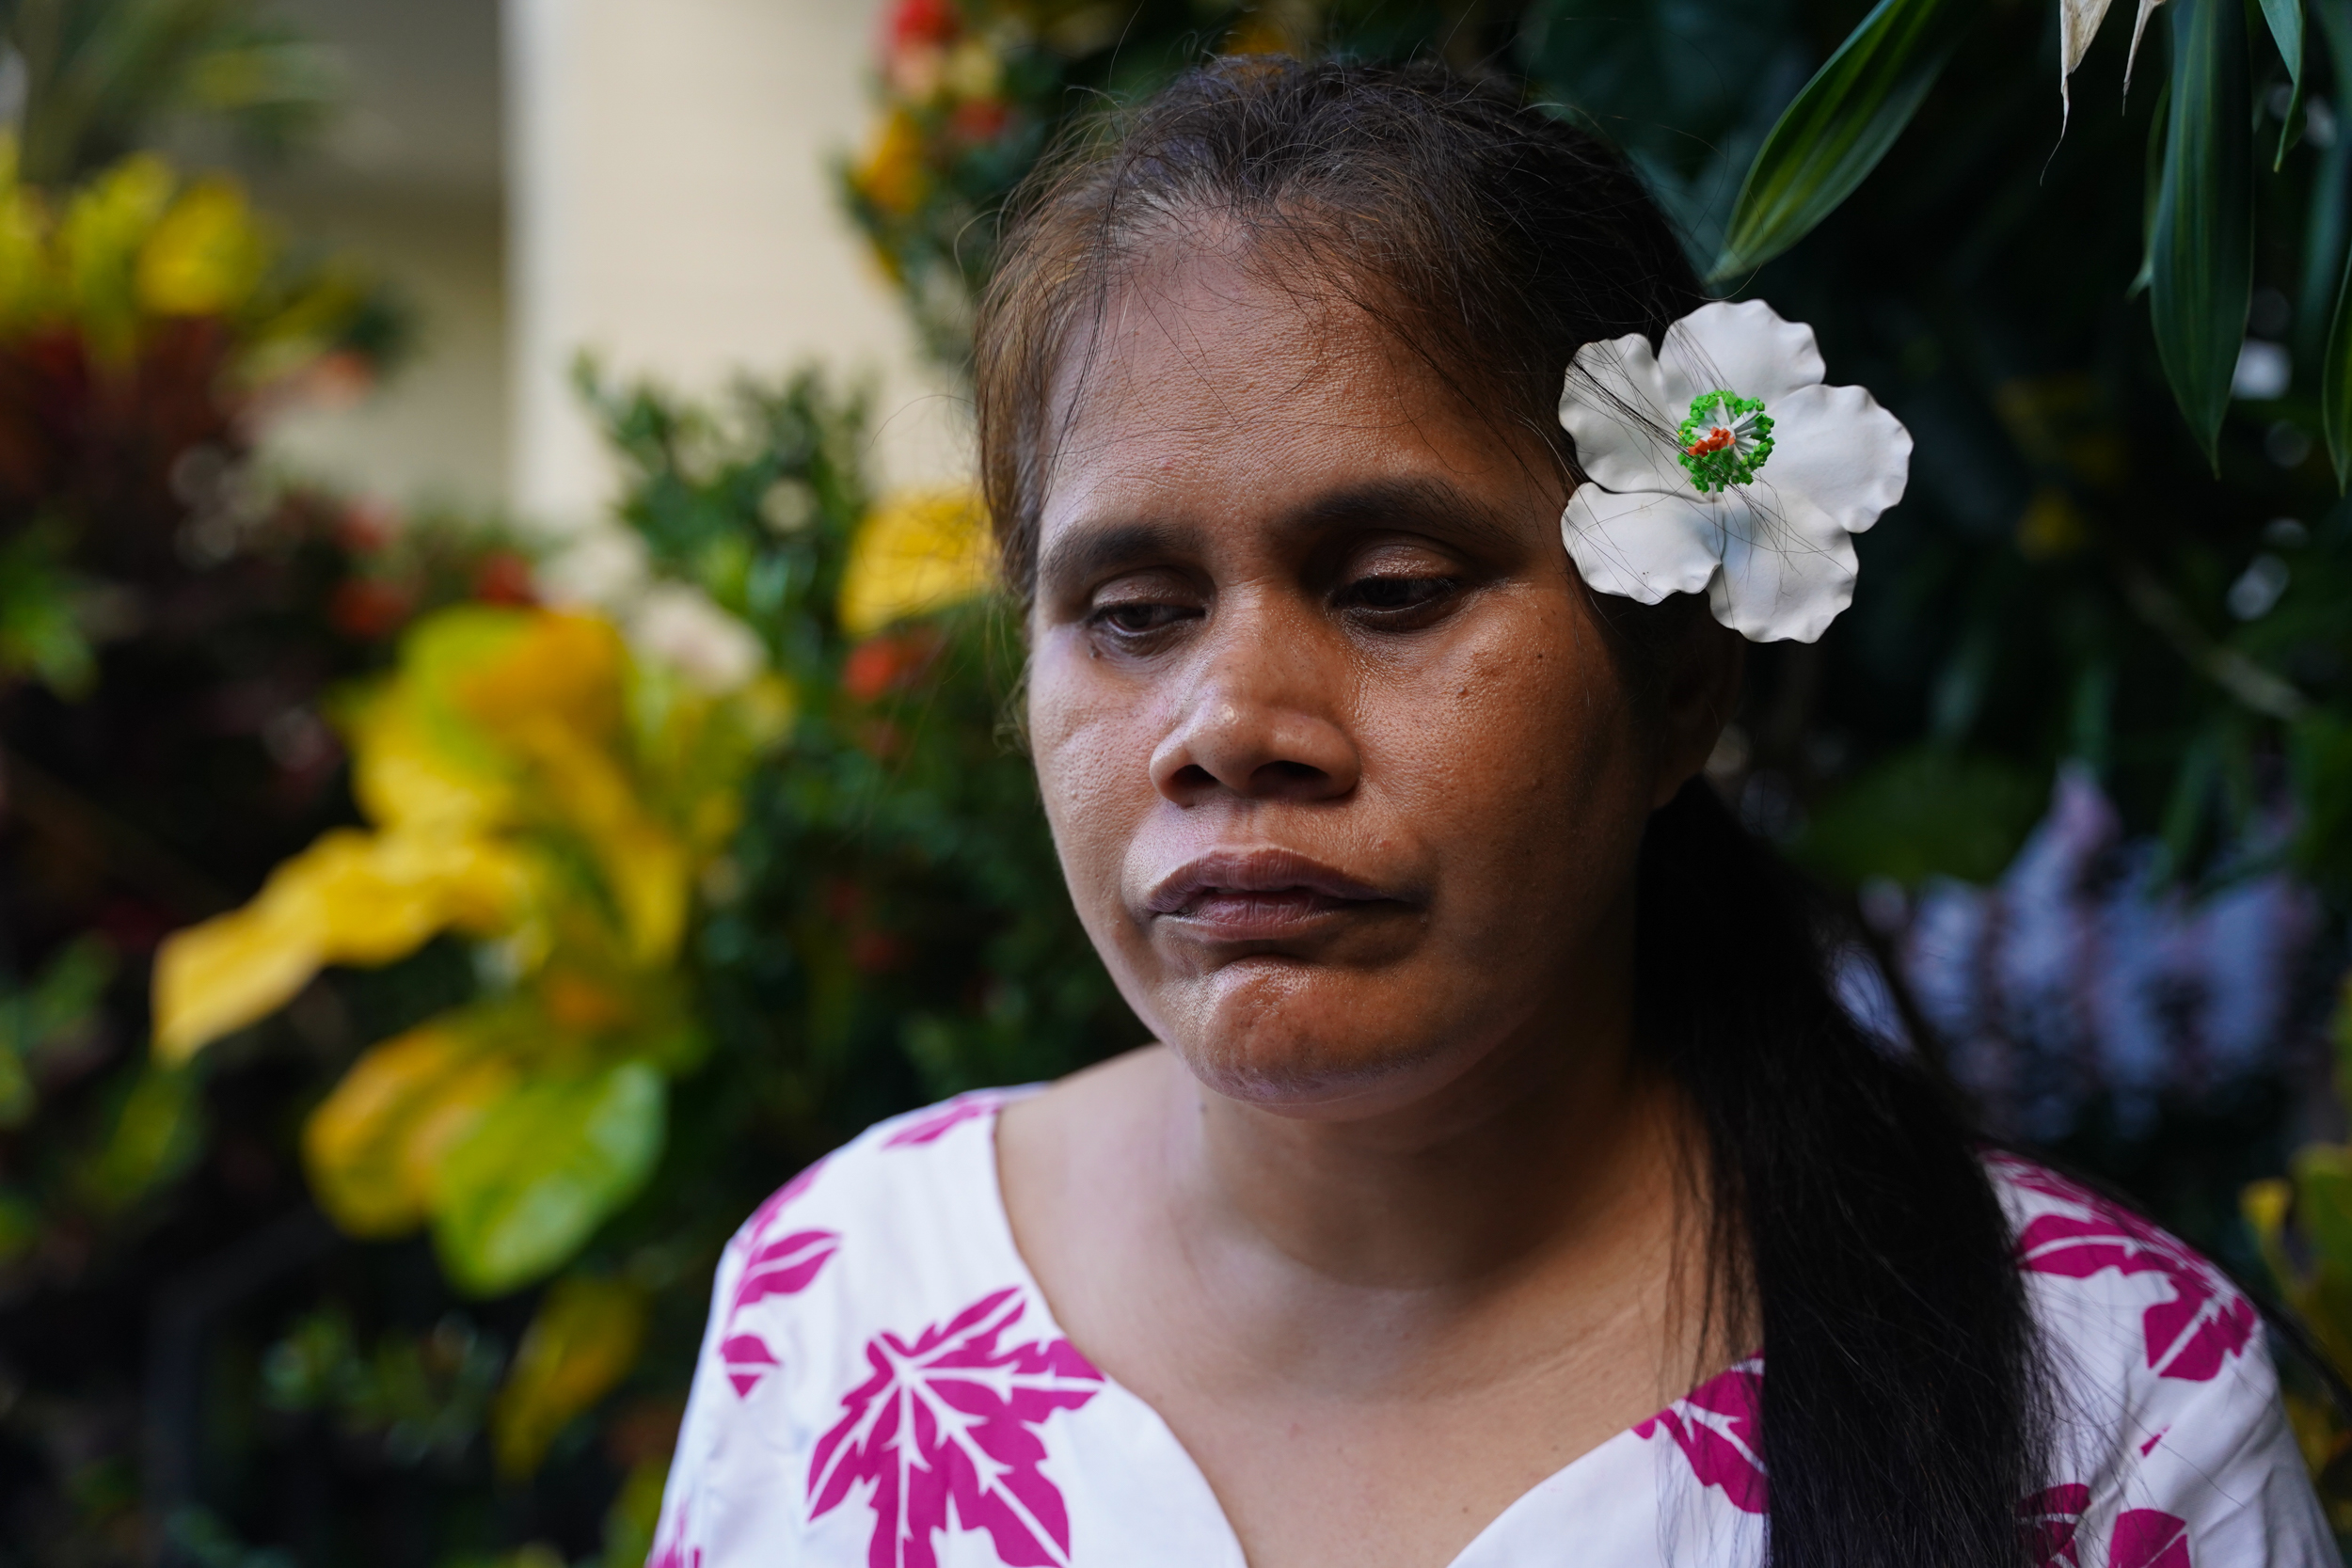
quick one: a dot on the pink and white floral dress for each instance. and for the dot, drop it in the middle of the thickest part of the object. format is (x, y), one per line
(882, 1383)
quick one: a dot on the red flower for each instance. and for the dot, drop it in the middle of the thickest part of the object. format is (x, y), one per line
(883, 664)
(911, 23)
(369, 609)
(979, 120)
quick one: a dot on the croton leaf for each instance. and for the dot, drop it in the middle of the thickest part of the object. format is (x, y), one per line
(531, 1180)
(2203, 244)
(581, 1342)
(1841, 124)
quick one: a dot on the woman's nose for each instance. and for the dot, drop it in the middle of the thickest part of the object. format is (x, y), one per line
(1261, 720)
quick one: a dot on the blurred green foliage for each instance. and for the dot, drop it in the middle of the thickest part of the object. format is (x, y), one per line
(102, 77)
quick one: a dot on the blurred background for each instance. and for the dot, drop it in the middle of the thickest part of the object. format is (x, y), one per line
(503, 743)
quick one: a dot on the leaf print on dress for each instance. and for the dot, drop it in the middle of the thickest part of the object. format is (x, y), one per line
(2189, 1337)
(935, 1123)
(2150, 1537)
(2047, 1523)
(670, 1549)
(770, 1209)
(779, 1268)
(953, 1418)
(1715, 1426)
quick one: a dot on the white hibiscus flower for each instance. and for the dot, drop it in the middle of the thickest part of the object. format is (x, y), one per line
(1720, 465)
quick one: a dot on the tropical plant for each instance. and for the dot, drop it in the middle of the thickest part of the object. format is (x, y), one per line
(2199, 260)
(96, 79)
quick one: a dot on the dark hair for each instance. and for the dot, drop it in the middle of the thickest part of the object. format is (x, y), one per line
(1904, 1417)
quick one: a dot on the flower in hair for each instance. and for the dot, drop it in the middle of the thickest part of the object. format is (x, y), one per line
(1722, 465)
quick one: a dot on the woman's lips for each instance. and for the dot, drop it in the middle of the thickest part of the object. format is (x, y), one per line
(1260, 894)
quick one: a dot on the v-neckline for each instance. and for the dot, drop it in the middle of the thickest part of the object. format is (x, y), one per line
(992, 1190)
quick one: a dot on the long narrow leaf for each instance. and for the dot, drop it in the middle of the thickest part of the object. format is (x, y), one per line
(2335, 383)
(2151, 193)
(2204, 240)
(1839, 127)
(2323, 230)
(2286, 30)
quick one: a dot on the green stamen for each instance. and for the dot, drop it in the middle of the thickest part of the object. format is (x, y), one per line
(1725, 439)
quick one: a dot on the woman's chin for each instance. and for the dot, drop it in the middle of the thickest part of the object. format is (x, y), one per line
(1312, 1043)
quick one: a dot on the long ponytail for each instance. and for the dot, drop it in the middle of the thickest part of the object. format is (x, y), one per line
(1902, 1408)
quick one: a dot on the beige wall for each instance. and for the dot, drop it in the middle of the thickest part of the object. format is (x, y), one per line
(671, 210)
(646, 179)
(412, 183)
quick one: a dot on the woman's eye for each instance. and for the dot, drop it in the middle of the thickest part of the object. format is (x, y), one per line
(1395, 596)
(1140, 617)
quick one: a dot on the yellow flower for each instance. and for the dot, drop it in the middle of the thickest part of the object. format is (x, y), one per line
(916, 553)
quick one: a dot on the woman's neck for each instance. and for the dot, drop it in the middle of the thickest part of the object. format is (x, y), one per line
(1544, 1150)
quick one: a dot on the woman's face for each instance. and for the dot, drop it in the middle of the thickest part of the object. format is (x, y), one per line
(1345, 780)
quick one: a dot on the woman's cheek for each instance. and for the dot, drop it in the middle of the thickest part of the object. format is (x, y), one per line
(1093, 772)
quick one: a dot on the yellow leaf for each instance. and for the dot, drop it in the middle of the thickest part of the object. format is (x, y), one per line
(99, 240)
(565, 669)
(2265, 1204)
(406, 776)
(891, 174)
(351, 898)
(644, 866)
(24, 251)
(205, 257)
(582, 1340)
(372, 1145)
(916, 553)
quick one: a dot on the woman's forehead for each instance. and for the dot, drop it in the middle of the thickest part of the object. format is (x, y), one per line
(1208, 379)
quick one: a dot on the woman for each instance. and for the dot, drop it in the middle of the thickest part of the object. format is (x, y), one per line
(1506, 1187)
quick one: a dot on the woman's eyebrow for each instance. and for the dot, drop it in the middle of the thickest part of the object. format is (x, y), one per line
(1411, 504)
(1083, 553)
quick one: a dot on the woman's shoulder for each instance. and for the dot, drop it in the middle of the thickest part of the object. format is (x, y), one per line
(905, 1202)
(2102, 1271)
(856, 1281)
(2169, 1427)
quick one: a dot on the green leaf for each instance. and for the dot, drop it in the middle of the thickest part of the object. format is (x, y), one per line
(524, 1190)
(2331, 184)
(1929, 813)
(2204, 241)
(2286, 30)
(1829, 140)
(2153, 194)
(2335, 381)
(155, 1133)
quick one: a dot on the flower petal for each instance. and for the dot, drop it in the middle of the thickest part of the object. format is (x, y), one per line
(1613, 404)
(1642, 545)
(1744, 348)
(1787, 569)
(1837, 447)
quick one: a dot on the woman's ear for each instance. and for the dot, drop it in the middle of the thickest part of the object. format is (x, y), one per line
(1702, 693)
